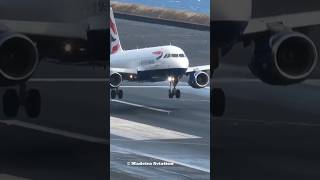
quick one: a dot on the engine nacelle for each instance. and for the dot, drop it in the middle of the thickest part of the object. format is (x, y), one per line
(284, 58)
(18, 57)
(115, 80)
(198, 79)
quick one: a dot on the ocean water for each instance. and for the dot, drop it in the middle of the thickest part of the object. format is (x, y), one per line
(199, 6)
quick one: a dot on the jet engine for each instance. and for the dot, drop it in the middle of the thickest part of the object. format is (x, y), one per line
(18, 57)
(284, 58)
(115, 80)
(198, 79)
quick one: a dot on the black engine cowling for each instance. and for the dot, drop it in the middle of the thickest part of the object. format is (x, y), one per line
(284, 58)
(198, 79)
(18, 57)
(115, 80)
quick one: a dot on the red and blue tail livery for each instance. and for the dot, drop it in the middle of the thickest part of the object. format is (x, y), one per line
(114, 36)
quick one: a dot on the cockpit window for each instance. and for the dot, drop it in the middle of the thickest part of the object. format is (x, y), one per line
(181, 55)
(174, 55)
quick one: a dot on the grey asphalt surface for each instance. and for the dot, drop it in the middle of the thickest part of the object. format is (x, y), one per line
(54, 146)
(189, 115)
(267, 132)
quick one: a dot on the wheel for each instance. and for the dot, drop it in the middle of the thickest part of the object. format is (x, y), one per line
(177, 92)
(113, 94)
(11, 103)
(170, 94)
(120, 94)
(219, 102)
(33, 103)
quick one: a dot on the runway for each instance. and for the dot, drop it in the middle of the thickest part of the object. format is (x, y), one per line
(68, 140)
(147, 126)
(267, 132)
(169, 130)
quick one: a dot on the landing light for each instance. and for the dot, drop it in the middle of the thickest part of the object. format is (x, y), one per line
(131, 76)
(67, 47)
(170, 78)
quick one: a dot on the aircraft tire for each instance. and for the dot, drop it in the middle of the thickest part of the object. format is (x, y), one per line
(33, 103)
(11, 103)
(170, 94)
(219, 102)
(113, 94)
(178, 93)
(120, 94)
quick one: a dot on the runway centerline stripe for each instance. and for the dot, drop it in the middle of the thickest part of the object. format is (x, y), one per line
(117, 149)
(68, 80)
(141, 106)
(54, 131)
(139, 131)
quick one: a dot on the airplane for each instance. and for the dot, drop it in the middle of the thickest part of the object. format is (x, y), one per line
(283, 53)
(64, 32)
(151, 64)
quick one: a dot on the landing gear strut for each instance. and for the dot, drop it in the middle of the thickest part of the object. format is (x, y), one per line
(218, 101)
(173, 91)
(116, 92)
(13, 99)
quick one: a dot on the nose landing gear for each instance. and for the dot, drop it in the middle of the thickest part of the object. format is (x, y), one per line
(12, 101)
(173, 91)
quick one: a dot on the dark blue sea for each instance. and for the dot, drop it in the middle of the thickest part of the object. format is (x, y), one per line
(199, 6)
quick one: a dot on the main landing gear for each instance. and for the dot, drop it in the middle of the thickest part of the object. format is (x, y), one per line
(173, 91)
(13, 99)
(218, 98)
(116, 92)
(218, 102)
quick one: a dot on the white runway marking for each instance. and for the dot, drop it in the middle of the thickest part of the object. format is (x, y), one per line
(130, 151)
(138, 131)
(68, 80)
(10, 177)
(314, 82)
(141, 106)
(156, 86)
(270, 122)
(309, 81)
(236, 80)
(251, 80)
(162, 142)
(186, 100)
(54, 131)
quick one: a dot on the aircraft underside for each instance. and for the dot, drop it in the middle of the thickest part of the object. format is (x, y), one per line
(160, 74)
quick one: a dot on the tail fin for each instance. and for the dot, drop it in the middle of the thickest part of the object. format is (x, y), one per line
(114, 36)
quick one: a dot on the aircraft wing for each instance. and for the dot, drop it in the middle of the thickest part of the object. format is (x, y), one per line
(46, 29)
(76, 42)
(198, 68)
(293, 21)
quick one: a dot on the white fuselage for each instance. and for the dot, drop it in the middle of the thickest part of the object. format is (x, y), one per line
(155, 63)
